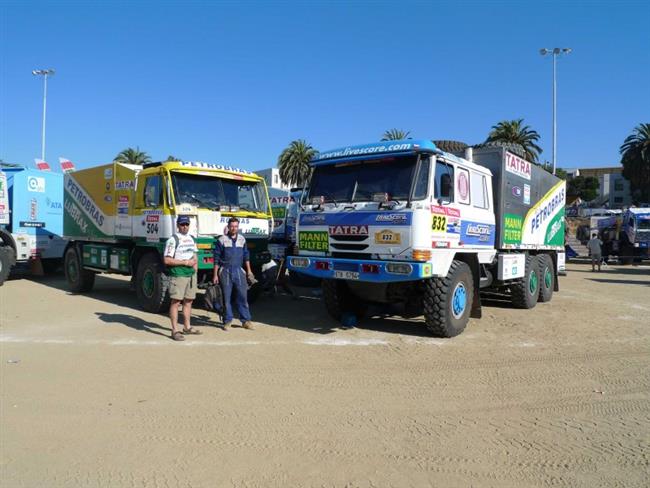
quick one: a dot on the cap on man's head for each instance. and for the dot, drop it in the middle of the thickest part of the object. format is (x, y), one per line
(183, 219)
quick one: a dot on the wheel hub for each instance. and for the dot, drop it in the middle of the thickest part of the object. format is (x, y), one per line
(148, 283)
(458, 300)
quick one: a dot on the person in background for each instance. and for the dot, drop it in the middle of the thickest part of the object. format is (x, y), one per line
(230, 256)
(181, 261)
(595, 249)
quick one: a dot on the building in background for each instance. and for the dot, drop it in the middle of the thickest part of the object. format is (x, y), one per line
(272, 178)
(613, 189)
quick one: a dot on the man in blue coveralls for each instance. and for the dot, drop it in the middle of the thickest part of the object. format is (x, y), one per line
(230, 256)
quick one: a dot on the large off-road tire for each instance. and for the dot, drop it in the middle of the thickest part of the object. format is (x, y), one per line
(450, 146)
(525, 291)
(448, 301)
(339, 300)
(7, 260)
(547, 278)
(79, 279)
(151, 284)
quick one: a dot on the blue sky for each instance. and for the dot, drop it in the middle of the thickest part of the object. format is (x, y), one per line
(235, 82)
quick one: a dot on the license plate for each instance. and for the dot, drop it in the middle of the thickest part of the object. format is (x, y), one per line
(346, 275)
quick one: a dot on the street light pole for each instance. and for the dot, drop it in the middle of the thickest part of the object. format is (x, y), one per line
(44, 73)
(555, 52)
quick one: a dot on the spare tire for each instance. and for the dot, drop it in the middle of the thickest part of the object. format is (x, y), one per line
(516, 149)
(450, 146)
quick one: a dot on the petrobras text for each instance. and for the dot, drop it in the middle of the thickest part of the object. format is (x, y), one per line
(222, 167)
(547, 209)
(85, 202)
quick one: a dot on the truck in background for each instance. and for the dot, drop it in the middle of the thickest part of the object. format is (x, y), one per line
(402, 222)
(626, 235)
(118, 217)
(31, 219)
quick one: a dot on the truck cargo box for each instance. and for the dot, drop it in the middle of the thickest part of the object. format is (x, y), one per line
(528, 201)
(97, 202)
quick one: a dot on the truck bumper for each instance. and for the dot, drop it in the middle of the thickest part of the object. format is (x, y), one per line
(360, 270)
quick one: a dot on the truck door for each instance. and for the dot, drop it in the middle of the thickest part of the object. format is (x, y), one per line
(148, 210)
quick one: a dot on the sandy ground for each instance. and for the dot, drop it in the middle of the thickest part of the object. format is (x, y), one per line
(95, 394)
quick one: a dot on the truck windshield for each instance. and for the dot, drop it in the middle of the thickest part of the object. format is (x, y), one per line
(357, 181)
(218, 193)
(644, 223)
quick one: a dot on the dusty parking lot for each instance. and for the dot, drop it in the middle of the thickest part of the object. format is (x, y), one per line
(95, 394)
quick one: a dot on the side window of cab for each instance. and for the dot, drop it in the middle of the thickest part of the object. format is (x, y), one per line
(444, 182)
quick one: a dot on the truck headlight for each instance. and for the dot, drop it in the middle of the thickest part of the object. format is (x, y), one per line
(399, 268)
(300, 262)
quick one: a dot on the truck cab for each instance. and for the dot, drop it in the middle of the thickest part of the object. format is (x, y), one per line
(119, 217)
(406, 224)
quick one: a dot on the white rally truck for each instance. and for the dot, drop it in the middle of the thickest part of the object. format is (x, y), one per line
(404, 223)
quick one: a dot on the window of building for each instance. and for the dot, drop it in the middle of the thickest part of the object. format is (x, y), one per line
(618, 185)
(618, 199)
(478, 189)
(275, 179)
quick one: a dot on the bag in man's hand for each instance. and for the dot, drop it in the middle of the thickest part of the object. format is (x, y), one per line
(213, 300)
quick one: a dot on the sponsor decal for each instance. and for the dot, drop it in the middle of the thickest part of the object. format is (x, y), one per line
(152, 218)
(545, 209)
(427, 269)
(527, 194)
(279, 212)
(481, 231)
(554, 229)
(518, 166)
(85, 201)
(440, 244)
(123, 199)
(123, 210)
(394, 218)
(452, 212)
(107, 186)
(362, 150)
(32, 224)
(222, 167)
(282, 200)
(108, 198)
(52, 205)
(108, 173)
(312, 219)
(348, 230)
(33, 209)
(516, 191)
(35, 183)
(76, 215)
(463, 186)
(387, 236)
(512, 228)
(313, 241)
(125, 185)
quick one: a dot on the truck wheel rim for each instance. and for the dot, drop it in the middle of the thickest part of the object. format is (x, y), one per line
(72, 271)
(533, 282)
(148, 283)
(458, 300)
(548, 278)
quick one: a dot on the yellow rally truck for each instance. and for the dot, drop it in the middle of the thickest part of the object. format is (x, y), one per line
(117, 218)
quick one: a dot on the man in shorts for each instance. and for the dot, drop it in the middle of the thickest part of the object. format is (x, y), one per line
(182, 263)
(595, 249)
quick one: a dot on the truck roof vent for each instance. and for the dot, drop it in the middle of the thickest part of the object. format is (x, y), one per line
(152, 164)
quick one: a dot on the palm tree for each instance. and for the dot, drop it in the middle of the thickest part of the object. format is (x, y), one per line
(635, 158)
(514, 132)
(132, 156)
(293, 163)
(395, 134)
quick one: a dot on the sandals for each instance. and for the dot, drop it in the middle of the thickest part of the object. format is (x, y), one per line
(191, 331)
(178, 336)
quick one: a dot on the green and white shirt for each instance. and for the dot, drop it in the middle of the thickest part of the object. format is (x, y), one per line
(180, 246)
